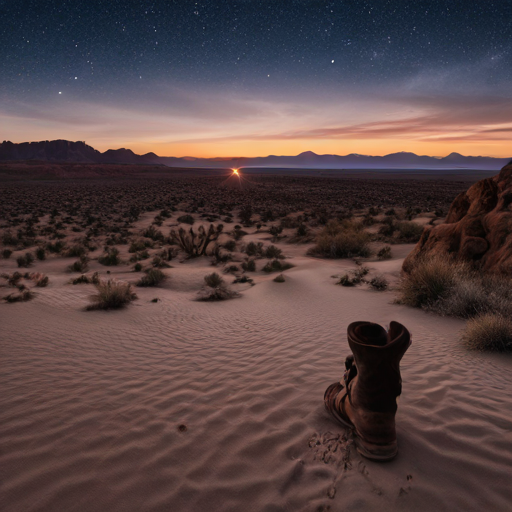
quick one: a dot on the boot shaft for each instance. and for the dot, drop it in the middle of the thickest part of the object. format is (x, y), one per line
(377, 355)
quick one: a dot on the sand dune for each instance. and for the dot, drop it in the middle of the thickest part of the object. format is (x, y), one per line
(188, 406)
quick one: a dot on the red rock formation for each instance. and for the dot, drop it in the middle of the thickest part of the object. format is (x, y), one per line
(478, 228)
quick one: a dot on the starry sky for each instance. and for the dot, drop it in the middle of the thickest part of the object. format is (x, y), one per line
(259, 77)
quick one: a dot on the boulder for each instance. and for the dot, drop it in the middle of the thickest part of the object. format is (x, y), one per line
(477, 230)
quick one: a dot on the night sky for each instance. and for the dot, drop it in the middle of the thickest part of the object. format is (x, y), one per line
(233, 78)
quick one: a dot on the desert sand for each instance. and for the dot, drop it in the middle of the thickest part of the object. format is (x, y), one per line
(218, 406)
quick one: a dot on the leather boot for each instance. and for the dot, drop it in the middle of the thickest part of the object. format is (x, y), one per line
(366, 398)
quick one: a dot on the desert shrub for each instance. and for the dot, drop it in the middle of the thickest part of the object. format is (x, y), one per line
(111, 294)
(390, 212)
(42, 281)
(219, 255)
(152, 277)
(254, 249)
(249, 265)
(186, 219)
(79, 265)
(490, 332)
(138, 256)
(76, 251)
(238, 233)
(213, 280)
(110, 258)
(25, 261)
(215, 289)
(230, 245)
(275, 231)
(429, 282)
(353, 277)
(22, 296)
(83, 279)
(379, 283)
(384, 253)
(55, 247)
(408, 231)
(8, 238)
(368, 220)
(279, 278)
(474, 294)
(139, 245)
(159, 262)
(276, 266)
(153, 234)
(231, 269)
(302, 230)
(243, 279)
(245, 215)
(342, 240)
(137, 267)
(6, 253)
(273, 252)
(388, 227)
(40, 253)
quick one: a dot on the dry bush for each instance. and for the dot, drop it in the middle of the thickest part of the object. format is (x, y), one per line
(215, 289)
(6, 253)
(353, 277)
(254, 249)
(40, 254)
(22, 296)
(154, 234)
(343, 239)
(79, 265)
(406, 231)
(110, 257)
(429, 282)
(379, 283)
(490, 332)
(76, 251)
(273, 252)
(276, 266)
(25, 261)
(186, 219)
(111, 294)
(279, 278)
(83, 279)
(454, 289)
(249, 265)
(152, 277)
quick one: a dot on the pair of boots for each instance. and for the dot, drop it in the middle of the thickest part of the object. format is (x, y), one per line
(365, 399)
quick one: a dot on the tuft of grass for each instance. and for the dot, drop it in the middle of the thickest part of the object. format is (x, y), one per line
(279, 279)
(488, 332)
(429, 282)
(152, 277)
(354, 277)
(343, 239)
(406, 231)
(111, 294)
(379, 283)
(83, 279)
(276, 266)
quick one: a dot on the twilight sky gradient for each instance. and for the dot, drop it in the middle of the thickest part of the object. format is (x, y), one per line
(253, 78)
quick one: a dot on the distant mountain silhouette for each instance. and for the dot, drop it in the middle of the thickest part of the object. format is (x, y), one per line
(67, 151)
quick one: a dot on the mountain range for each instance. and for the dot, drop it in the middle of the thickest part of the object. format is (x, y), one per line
(80, 152)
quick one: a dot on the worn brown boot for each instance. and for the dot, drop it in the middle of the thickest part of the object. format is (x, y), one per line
(365, 400)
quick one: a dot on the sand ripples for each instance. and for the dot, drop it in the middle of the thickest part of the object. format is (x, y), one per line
(92, 405)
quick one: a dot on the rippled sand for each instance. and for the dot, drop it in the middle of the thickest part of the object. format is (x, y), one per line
(91, 403)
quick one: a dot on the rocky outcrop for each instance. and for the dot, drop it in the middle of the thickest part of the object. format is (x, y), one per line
(477, 230)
